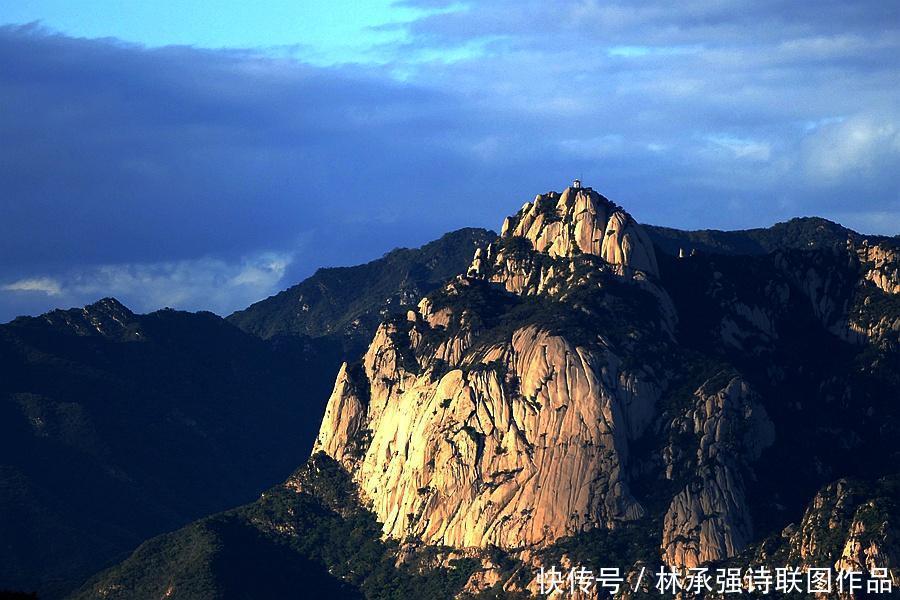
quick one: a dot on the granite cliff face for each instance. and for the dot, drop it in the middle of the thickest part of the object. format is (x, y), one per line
(522, 403)
(849, 525)
(582, 221)
(709, 519)
(468, 434)
(882, 264)
(487, 452)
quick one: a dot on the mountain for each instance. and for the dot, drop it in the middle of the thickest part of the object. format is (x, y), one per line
(349, 302)
(117, 427)
(802, 233)
(457, 426)
(581, 396)
(309, 538)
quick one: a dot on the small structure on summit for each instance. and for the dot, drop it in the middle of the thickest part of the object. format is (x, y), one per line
(576, 184)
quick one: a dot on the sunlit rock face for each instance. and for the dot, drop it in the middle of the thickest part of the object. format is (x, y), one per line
(708, 520)
(582, 221)
(516, 444)
(881, 262)
(545, 246)
(849, 525)
(545, 392)
(463, 432)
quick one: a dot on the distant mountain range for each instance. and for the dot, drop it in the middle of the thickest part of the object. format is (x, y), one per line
(803, 233)
(711, 409)
(116, 427)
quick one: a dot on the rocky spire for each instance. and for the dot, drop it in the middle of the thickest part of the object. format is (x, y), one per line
(582, 221)
(462, 433)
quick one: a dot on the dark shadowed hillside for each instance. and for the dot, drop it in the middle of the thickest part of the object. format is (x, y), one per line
(115, 427)
(336, 552)
(806, 233)
(349, 302)
(118, 426)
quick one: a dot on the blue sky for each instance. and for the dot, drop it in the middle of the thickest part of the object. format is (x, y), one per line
(206, 155)
(324, 33)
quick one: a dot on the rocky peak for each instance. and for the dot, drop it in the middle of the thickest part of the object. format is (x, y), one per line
(850, 525)
(577, 240)
(881, 263)
(485, 418)
(530, 400)
(581, 221)
(107, 317)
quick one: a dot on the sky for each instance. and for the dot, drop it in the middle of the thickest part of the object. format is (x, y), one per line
(205, 155)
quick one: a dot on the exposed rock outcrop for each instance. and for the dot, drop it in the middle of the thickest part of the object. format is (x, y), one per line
(709, 519)
(849, 526)
(582, 221)
(518, 444)
(558, 243)
(871, 544)
(108, 318)
(882, 264)
(505, 408)
(468, 427)
(854, 293)
(827, 279)
(344, 420)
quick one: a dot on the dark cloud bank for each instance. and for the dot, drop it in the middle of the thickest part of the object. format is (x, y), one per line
(207, 179)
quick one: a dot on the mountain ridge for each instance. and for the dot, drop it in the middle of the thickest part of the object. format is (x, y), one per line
(798, 232)
(79, 386)
(581, 396)
(561, 278)
(349, 301)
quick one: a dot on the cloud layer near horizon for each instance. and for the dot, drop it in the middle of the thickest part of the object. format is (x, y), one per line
(161, 175)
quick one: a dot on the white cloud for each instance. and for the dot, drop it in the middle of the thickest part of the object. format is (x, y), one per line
(265, 273)
(743, 148)
(208, 283)
(813, 125)
(856, 146)
(640, 51)
(44, 285)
